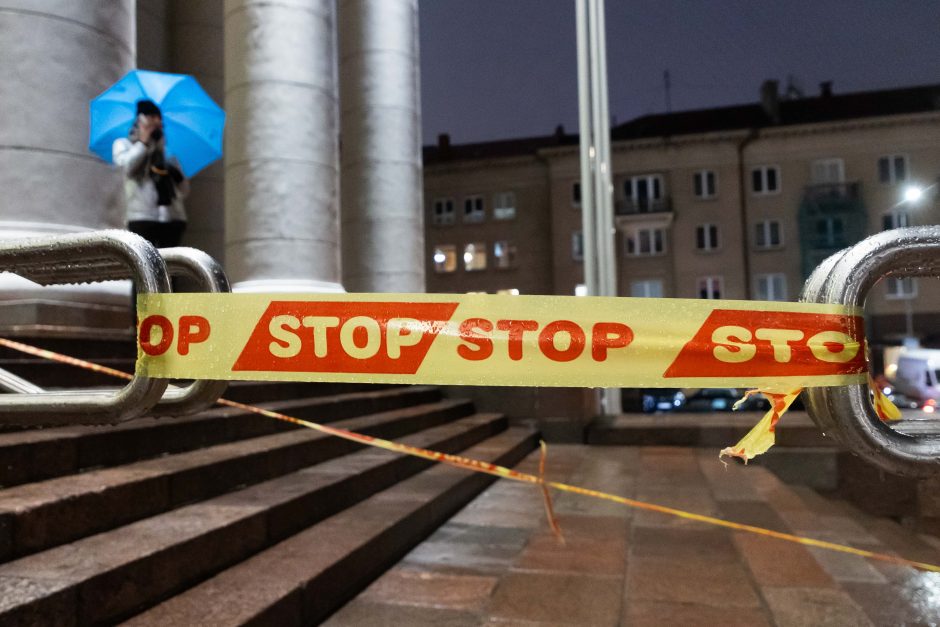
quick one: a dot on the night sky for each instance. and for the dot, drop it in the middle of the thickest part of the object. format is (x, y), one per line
(496, 69)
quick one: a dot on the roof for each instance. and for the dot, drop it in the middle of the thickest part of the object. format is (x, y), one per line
(812, 110)
(501, 148)
(823, 108)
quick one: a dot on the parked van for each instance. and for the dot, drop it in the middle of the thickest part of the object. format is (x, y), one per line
(918, 374)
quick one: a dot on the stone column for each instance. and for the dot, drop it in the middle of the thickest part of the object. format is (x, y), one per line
(281, 156)
(57, 56)
(195, 47)
(383, 230)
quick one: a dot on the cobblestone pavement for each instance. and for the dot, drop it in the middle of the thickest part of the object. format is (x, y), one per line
(497, 563)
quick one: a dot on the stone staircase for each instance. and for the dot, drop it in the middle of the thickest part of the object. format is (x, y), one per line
(242, 517)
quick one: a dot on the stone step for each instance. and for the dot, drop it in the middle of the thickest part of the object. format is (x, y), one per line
(50, 374)
(306, 577)
(37, 516)
(45, 453)
(111, 575)
(699, 429)
(254, 392)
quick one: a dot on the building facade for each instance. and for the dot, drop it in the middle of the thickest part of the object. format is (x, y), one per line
(736, 202)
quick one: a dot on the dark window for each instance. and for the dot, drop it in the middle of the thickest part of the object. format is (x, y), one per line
(757, 181)
(771, 179)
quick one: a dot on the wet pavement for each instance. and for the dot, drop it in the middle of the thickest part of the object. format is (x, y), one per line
(497, 562)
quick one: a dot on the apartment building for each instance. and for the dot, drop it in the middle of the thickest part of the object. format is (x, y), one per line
(735, 202)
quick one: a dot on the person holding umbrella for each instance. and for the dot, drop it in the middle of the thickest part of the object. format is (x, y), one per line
(160, 129)
(154, 185)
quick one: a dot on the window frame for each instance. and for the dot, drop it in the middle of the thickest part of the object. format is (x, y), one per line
(899, 219)
(700, 178)
(711, 281)
(646, 283)
(764, 173)
(706, 229)
(768, 278)
(764, 227)
(892, 172)
(511, 255)
(828, 161)
(891, 294)
(440, 268)
(497, 207)
(437, 218)
(635, 237)
(476, 211)
(477, 247)
(577, 245)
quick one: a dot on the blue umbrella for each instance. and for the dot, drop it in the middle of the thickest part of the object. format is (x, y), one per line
(192, 122)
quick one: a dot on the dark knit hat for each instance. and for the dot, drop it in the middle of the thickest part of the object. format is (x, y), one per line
(148, 107)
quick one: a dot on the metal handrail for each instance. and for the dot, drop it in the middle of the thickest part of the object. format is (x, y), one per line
(846, 412)
(208, 273)
(75, 258)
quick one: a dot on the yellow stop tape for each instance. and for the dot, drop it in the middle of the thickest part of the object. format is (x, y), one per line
(472, 339)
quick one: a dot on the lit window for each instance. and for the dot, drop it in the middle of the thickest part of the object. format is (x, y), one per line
(765, 179)
(704, 184)
(474, 257)
(768, 234)
(473, 210)
(771, 286)
(445, 258)
(892, 169)
(651, 288)
(895, 220)
(710, 287)
(577, 246)
(646, 242)
(504, 206)
(706, 237)
(576, 194)
(504, 254)
(443, 212)
(828, 171)
(902, 288)
(580, 289)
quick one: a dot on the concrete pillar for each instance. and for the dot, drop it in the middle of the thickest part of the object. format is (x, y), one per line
(57, 56)
(382, 218)
(194, 46)
(281, 156)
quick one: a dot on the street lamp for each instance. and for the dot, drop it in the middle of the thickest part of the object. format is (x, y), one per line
(913, 193)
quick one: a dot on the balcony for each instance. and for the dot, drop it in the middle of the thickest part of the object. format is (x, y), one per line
(832, 217)
(634, 206)
(833, 197)
(643, 212)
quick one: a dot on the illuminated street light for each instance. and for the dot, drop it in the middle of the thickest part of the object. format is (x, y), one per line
(913, 193)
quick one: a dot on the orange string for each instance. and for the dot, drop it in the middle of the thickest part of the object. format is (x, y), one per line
(501, 471)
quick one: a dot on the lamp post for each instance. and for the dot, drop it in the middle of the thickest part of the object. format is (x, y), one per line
(600, 272)
(911, 197)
